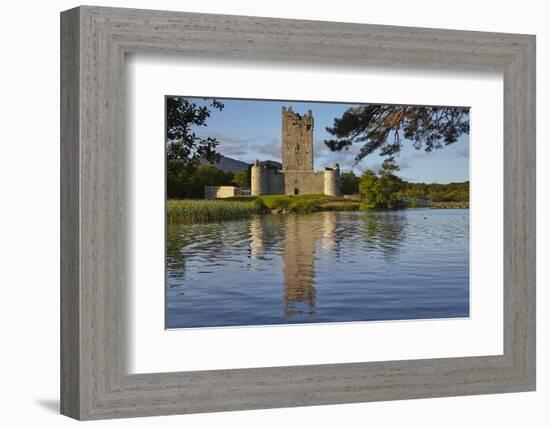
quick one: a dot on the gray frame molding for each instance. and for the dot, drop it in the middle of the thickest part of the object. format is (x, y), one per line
(94, 383)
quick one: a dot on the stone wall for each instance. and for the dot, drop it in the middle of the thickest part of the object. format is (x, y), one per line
(266, 180)
(221, 192)
(276, 182)
(304, 182)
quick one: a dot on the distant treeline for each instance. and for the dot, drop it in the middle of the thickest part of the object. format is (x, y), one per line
(187, 181)
(452, 192)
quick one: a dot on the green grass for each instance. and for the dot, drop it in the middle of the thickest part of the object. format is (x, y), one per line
(192, 211)
(348, 205)
(305, 203)
(195, 211)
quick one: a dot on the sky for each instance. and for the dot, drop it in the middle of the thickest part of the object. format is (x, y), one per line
(251, 129)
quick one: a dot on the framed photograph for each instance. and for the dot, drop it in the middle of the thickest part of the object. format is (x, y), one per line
(262, 213)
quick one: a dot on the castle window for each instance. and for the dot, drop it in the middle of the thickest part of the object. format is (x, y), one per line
(295, 191)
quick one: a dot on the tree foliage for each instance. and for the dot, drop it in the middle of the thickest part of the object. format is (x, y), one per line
(182, 143)
(385, 126)
(349, 183)
(187, 181)
(383, 191)
(242, 178)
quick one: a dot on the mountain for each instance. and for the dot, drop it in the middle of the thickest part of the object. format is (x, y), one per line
(227, 164)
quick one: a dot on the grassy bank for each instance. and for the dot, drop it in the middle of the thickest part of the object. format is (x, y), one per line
(196, 210)
(306, 203)
(192, 211)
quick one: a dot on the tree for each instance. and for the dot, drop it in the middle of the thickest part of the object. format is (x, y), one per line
(181, 142)
(208, 174)
(390, 191)
(349, 183)
(383, 127)
(384, 191)
(178, 180)
(242, 178)
(369, 187)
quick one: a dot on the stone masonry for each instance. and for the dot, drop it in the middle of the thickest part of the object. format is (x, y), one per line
(297, 175)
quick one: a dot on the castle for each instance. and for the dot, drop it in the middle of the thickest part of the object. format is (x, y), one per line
(297, 175)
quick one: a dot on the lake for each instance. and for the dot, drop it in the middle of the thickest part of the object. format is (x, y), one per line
(321, 267)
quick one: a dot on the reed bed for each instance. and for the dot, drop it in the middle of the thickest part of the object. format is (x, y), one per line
(192, 211)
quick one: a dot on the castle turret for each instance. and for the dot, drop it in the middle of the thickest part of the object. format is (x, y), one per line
(258, 179)
(332, 181)
(255, 179)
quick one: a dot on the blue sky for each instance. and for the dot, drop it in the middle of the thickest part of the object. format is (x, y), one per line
(250, 129)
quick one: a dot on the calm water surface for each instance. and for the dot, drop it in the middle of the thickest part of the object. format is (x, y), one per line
(323, 267)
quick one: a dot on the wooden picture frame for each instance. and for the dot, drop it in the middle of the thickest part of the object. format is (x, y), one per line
(94, 382)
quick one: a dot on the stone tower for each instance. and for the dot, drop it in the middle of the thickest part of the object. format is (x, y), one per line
(332, 181)
(297, 141)
(258, 179)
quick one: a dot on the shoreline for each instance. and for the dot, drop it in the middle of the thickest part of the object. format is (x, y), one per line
(191, 211)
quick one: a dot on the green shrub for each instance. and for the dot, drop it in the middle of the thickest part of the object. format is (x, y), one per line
(340, 206)
(305, 206)
(259, 205)
(282, 203)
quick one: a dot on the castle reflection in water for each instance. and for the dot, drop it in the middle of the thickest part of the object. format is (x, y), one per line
(302, 239)
(298, 247)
